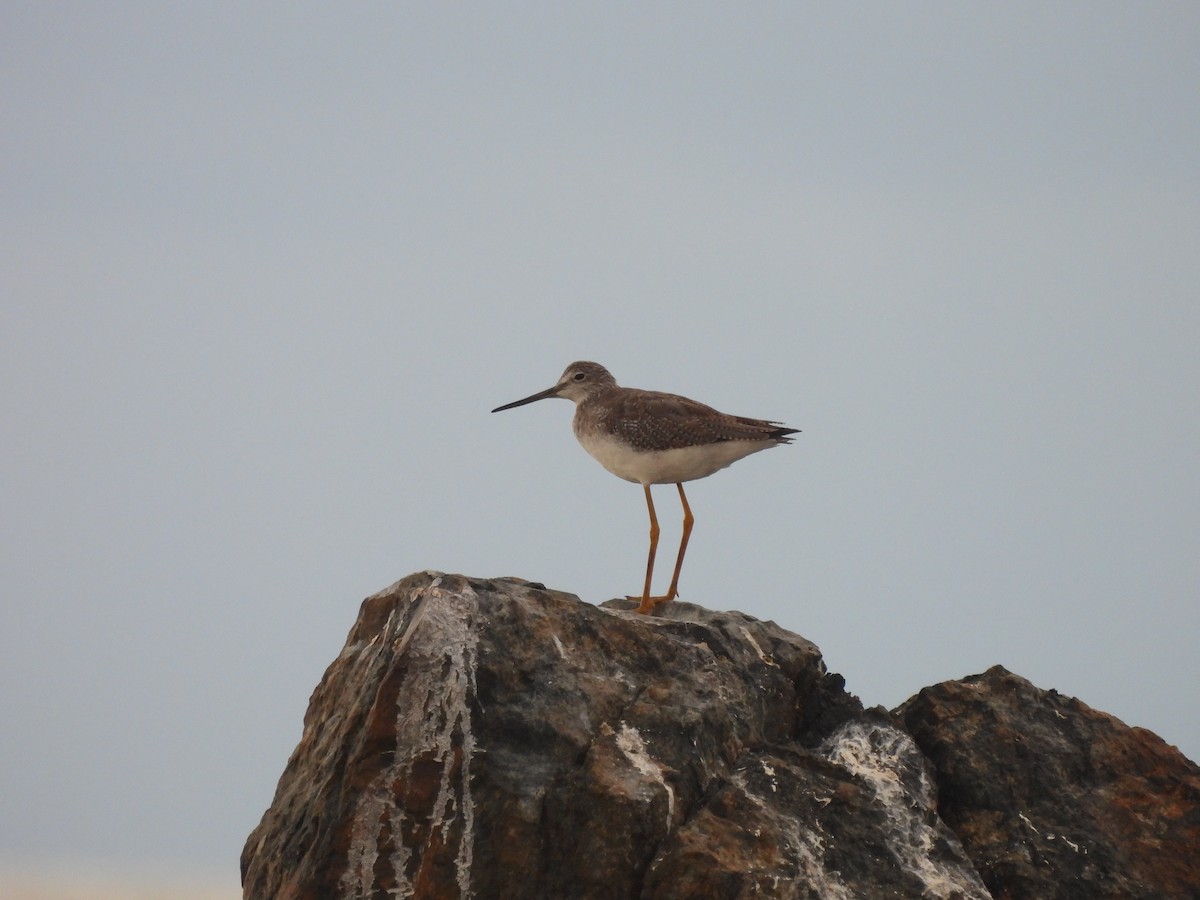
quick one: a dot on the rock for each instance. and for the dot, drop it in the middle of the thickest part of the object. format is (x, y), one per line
(1053, 799)
(496, 739)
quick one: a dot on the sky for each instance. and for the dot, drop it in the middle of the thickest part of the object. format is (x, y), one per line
(266, 268)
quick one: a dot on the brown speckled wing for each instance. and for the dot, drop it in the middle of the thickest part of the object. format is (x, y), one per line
(652, 420)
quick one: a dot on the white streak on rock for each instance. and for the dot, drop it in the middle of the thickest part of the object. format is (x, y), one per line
(558, 645)
(758, 649)
(878, 755)
(439, 681)
(805, 846)
(769, 771)
(629, 742)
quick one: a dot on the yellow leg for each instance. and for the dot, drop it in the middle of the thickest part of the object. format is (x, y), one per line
(647, 602)
(673, 590)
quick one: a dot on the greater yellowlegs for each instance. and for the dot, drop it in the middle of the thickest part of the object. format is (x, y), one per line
(649, 437)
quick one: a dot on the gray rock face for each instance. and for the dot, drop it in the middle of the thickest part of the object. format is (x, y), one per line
(494, 739)
(1054, 799)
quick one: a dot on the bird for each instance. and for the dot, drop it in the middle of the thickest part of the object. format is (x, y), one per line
(650, 437)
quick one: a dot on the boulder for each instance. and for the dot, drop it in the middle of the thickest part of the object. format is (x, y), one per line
(495, 739)
(491, 738)
(1055, 800)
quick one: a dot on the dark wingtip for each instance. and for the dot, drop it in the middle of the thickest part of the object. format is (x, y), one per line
(781, 434)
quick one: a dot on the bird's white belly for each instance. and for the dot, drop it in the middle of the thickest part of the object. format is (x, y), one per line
(666, 466)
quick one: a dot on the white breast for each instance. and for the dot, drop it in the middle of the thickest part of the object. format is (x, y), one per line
(666, 466)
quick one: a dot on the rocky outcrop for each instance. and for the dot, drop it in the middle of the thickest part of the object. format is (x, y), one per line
(1053, 799)
(486, 739)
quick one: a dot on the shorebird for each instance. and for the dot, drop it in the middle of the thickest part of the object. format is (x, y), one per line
(649, 437)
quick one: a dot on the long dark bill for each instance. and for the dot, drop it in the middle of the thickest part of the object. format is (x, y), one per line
(540, 395)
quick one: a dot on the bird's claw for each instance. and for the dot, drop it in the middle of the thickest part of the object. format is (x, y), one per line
(647, 605)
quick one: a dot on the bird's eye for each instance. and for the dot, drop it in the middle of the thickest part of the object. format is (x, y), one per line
(579, 376)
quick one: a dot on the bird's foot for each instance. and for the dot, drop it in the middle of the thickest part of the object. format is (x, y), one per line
(647, 604)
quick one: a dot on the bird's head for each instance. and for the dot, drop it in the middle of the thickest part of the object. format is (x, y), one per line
(578, 382)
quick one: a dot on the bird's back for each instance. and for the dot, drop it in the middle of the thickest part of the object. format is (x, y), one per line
(653, 437)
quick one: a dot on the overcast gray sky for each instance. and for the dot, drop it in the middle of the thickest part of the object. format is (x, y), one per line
(266, 268)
